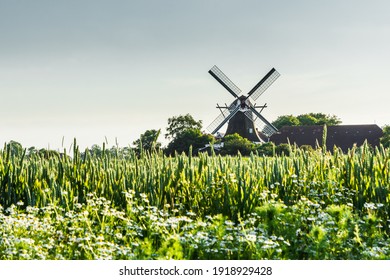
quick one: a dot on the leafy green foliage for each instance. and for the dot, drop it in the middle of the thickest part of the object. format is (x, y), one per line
(186, 136)
(320, 119)
(179, 124)
(96, 150)
(266, 149)
(191, 138)
(286, 120)
(385, 139)
(306, 119)
(283, 149)
(147, 141)
(234, 144)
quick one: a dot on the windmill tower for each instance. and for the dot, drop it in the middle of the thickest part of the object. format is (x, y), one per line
(241, 114)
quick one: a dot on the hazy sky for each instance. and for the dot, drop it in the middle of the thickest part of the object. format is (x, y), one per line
(93, 69)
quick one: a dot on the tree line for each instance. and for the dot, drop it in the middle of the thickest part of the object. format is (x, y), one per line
(184, 132)
(185, 135)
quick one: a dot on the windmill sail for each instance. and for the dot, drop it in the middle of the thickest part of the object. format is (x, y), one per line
(261, 126)
(262, 86)
(225, 116)
(224, 81)
(265, 126)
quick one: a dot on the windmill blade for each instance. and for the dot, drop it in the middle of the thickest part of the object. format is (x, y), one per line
(262, 86)
(265, 126)
(225, 116)
(261, 126)
(224, 81)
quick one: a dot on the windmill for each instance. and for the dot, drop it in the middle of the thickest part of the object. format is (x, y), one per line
(241, 114)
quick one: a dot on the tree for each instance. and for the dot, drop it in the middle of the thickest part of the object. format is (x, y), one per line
(179, 124)
(96, 150)
(306, 119)
(234, 143)
(318, 119)
(286, 120)
(187, 138)
(148, 141)
(385, 139)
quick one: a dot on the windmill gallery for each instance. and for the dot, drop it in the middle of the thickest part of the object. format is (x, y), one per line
(243, 118)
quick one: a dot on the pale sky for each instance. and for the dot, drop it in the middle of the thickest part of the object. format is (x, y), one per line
(112, 69)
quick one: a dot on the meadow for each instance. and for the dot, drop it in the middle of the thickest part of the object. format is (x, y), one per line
(307, 205)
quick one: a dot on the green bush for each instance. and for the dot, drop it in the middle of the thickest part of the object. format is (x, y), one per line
(234, 144)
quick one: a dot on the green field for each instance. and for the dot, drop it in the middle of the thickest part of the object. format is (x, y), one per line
(308, 205)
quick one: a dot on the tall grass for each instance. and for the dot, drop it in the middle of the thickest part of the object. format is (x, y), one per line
(308, 205)
(207, 185)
